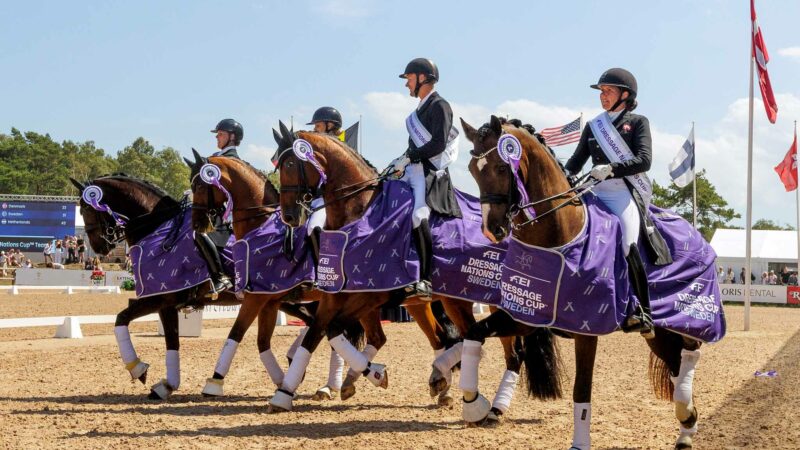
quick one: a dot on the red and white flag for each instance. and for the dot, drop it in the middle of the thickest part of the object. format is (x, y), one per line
(762, 58)
(787, 169)
(563, 135)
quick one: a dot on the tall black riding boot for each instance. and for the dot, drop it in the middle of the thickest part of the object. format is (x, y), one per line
(642, 320)
(424, 245)
(313, 240)
(219, 281)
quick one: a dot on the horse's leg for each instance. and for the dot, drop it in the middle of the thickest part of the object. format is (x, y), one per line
(499, 323)
(164, 388)
(371, 322)
(585, 351)
(355, 335)
(674, 359)
(251, 306)
(329, 307)
(138, 308)
(508, 384)
(460, 312)
(267, 319)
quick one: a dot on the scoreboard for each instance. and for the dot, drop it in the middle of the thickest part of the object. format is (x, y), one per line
(28, 225)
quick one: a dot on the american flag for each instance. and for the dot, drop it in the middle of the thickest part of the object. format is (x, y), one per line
(563, 135)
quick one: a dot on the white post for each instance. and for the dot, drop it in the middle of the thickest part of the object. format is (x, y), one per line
(694, 180)
(749, 215)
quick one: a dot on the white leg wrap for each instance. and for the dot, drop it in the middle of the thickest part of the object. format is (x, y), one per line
(505, 392)
(273, 368)
(295, 373)
(476, 410)
(369, 352)
(173, 369)
(125, 345)
(296, 344)
(470, 360)
(335, 371)
(357, 360)
(448, 358)
(683, 382)
(226, 356)
(582, 416)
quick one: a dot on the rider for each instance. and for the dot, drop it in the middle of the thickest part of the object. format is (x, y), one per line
(432, 146)
(618, 188)
(229, 134)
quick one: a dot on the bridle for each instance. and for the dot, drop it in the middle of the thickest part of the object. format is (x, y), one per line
(513, 196)
(112, 232)
(215, 211)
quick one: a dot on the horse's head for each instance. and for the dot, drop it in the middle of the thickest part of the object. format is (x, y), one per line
(208, 201)
(100, 227)
(495, 181)
(301, 181)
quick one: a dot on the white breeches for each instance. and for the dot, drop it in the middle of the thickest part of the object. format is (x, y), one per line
(415, 177)
(614, 193)
(317, 218)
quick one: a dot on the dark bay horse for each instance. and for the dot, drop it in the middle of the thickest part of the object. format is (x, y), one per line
(146, 207)
(352, 184)
(672, 355)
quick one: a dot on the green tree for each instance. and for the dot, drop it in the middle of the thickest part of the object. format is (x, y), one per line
(171, 173)
(766, 224)
(32, 163)
(712, 209)
(87, 162)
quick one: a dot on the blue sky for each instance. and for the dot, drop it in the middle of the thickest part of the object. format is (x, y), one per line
(168, 71)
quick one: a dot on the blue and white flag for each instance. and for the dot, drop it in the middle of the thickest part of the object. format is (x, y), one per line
(681, 169)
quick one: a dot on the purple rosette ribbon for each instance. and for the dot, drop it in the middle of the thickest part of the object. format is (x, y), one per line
(210, 174)
(93, 195)
(510, 150)
(303, 150)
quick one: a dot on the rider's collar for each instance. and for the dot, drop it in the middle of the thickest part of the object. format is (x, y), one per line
(422, 102)
(615, 114)
(224, 150)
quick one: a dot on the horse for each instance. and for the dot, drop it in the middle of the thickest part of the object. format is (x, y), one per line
(673, 356)
(143, 208)
(352, 185)
(249, 193)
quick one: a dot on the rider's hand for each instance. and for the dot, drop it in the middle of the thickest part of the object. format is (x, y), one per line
(601, 172)
(398, 166)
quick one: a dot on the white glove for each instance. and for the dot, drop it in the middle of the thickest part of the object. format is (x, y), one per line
(601, 172)
(399, 164)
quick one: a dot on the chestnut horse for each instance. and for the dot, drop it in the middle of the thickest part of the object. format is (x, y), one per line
(548, 187)
(352, 184)
(146, 207)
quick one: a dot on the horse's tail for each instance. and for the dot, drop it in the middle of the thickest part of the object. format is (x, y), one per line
(449, 334)
(542, 365)
(355, 334)
(665, 348)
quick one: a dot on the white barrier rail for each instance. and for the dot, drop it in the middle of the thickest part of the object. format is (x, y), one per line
(189, 325)
(15, 289)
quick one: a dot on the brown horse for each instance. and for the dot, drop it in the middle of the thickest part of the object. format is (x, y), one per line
(255, 200)
(352, 184)
(544, 179)
(146, 207)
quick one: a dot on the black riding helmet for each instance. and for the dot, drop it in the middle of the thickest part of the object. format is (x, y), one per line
(327, 114)
(422, 66)
(622, 79)
(233, 127)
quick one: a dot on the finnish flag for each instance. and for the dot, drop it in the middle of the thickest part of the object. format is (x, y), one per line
(681, 169)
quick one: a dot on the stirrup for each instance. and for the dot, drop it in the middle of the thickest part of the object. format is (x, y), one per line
(421, 288)
(217, 286)
(640, 322)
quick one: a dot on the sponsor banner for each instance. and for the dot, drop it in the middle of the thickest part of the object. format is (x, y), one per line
(759, 293)
(66, 277)
(793, 295)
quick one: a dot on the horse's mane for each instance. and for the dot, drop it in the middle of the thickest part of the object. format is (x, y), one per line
(358, 156)
(258, 173)
(149, 185)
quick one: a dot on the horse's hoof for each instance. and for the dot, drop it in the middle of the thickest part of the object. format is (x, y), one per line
(324, 393)
(139, 372)
(280, 402)
(476, 411)
(378, 375)
(347, 391)
(213, 387)
(160, 391)
(683, 442)
(445, 400)
(437, 385)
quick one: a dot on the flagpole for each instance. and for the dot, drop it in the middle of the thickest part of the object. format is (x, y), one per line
(797, 197)
(360, 135)
(749, 215)
(694, 182)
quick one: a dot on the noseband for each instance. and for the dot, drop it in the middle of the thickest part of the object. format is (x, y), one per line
(510, 198)
(303, 189)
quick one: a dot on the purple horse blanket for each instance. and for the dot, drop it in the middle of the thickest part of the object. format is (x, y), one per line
(583, 287)
(167, 260)
(261, 265)
(373, 253)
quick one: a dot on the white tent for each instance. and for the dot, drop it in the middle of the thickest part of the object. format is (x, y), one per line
(767, 246)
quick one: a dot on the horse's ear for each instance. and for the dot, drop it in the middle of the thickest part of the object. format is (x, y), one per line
(469, 131)
(188, 162)
(496, 125)
(277, 136)
(284, 131)
(78, 185)
(197, 158)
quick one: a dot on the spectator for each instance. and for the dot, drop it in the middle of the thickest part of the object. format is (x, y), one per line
(48, 252)
(721, 274)
(96, 264)
(3, 263)
(88, 265)
(128, 263)
(72, 254)
(731, 277)
(784, 277)
(13, 256)
(773, 279)
(764, 278)
(81, 249)
(58, 253)
(27, 264)
(793, 279)
(741, 276)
